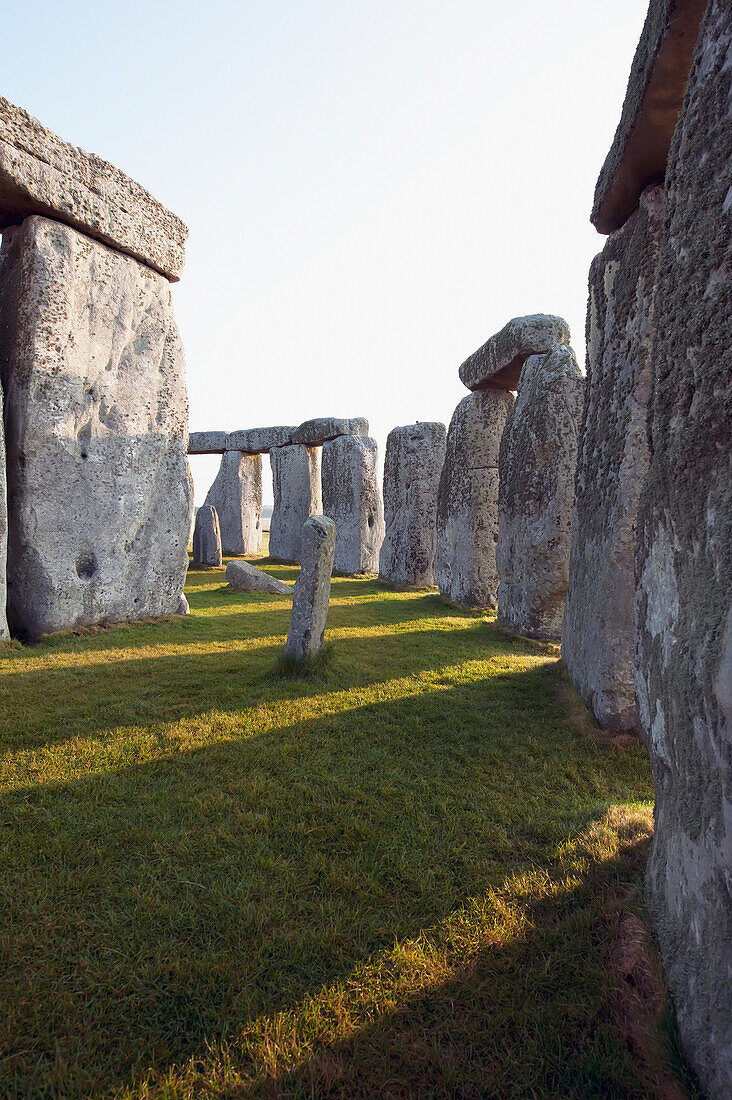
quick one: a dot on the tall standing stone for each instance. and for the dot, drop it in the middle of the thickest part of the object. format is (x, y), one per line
(207, 537)
(467, 502)
(4, 634)
(413, 463)
(236, 494)
(536, 470)
(312, 590)
(296, 490)
(352, 499)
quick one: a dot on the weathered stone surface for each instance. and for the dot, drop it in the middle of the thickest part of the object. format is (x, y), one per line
(639, 152)
(236, 494)
(4, 634)
(207, 537)
(296, 486)
(598, 630)
(259, 440)
(207, 443)
(684, 569)
(316, 432)
(352, 499)
(96, 422)
(312, 589)
(536, 468)
(499, 362)
(245, 577)
(415, 454)
(467, 500)
(42, 174)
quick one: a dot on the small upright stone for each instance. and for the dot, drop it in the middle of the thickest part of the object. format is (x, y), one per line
(207, 537)
(498, 363)
(236, 494)
(316, 432)
(4, 634)
(415, 455)
(312, 590)
(296, 485)
(351, 498)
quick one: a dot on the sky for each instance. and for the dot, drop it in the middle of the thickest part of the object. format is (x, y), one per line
(372, 187)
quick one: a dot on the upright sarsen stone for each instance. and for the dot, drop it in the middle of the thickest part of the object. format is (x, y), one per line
(413, 463)
(236, 494)
(296, 490)
(4, 634)
(207, 537)
(311, 597)
(351, 498)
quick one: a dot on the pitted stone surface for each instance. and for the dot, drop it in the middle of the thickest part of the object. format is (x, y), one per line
(352, 499)
(207, 537)
(598, 630)
(4, 634)
(42, 174)
(499, 362)
(296, 487)
(236, 494)
(245, 577)
(467, 500)
(312, 590)
(536, 494)
(316, 432)
(96, 419)
(206, 443)
(259, 440)
(415, 454)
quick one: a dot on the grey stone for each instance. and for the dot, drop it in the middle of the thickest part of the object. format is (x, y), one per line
(206, 443)
(415, 454)
(296, 487)
(259, 440)
(536, 468)
(352, 499)
(207, 537)
(42, 174)
(499, 362)
(312, 589)
(236, 494)
(96, 423)
(245, 577)
(598, 630)
(4, 634)
(684, 569)
(316, 432)
(467, 500)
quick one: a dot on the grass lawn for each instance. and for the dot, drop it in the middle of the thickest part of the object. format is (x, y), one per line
(416, 873)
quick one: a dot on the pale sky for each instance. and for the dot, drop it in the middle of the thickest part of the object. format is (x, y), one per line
(372, 187)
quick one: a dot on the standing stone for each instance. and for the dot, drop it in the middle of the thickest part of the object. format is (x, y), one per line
(4, 633)
(536, 469)
(598, 630)
(207, 537)
(96, 422)
(415, 454)
(236, 494)
(296, 488)
(351, 498)
(312, 589)
(467, 500)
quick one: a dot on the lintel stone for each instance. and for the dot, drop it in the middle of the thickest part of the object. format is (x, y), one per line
(256, 441)
(207, 443)
(315, 432)
(499, 361)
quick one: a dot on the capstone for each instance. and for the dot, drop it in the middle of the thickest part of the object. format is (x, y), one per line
(206, 443)
(499, 361)
(352, 499)
(415, 454)
(245, 577)
(296, 486)
(319, 431)
(259, 440)
(312, 589)
(236, 494)
(207, 537)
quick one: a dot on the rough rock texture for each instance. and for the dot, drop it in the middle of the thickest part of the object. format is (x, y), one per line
(499, 361)
(42, 174)
(316, 432)
(638, 155)
(536, 468)
(236, 494)
(312, 590)
(684, 569)
(100, 495)
(598, 631)
(296, 488)
(206, 443)
(467, 500)
(352, 499)
(412, 467)
(4, 635)
(259, 440)
(245, 577)
(207, 537)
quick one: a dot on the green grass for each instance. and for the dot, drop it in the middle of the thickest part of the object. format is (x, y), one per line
(406, 874)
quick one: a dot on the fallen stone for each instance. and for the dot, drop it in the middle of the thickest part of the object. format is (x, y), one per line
(414, 458)
(351, 498)
(312, 590)
(207, 537)
(296, 485)
(245, 577)
(316, 432)
(42, 174)
(499, 362)
(467, 500)
(4, 633)
(536, 467)
(259, 440)
(207, 443)
(96, 432)
(236, 494)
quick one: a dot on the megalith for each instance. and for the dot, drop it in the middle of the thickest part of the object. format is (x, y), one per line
(207, 537)
(536, 468)
(4, 634)
(236, 494)
(499, 361)
(413, 463)
(311, 597)
(296, 490)
(245, 577)
(352, 499)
